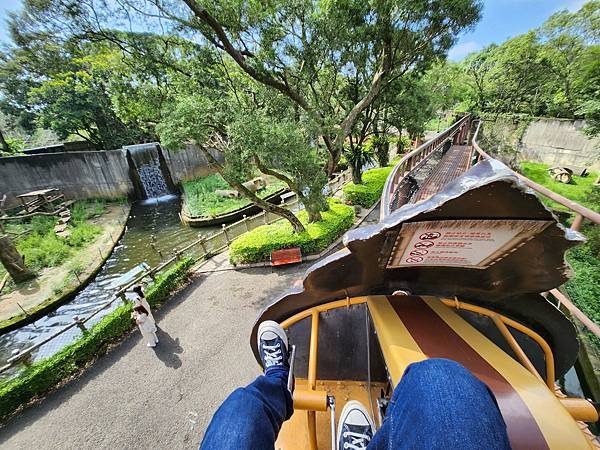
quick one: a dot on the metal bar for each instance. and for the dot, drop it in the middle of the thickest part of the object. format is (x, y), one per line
(564, 300)
(514, 345)
(331, 402)
(312, 429)
(314, 346)
(576, 226)
(517, 326)
(573, 206)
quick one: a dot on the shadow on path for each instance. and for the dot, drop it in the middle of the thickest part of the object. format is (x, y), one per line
(168, 349)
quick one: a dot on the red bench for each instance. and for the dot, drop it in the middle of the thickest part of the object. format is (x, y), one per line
(286, 256)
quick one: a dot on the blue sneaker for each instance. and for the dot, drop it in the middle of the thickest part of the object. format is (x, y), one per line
(355, 428)
(272, 345)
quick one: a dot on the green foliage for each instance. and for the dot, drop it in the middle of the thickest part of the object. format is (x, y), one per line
(551, 71)
(43, 375)
(258, 244)
(357, 156)
(367, 193)
(83, 234)
(584, 287)
(200, 199)
(85, 210)
(579, 190)
(42, 248)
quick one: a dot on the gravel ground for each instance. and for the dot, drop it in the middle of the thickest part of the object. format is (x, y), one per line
(135, 397)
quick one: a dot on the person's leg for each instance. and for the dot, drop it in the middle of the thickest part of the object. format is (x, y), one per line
(439, 404)
(251, 417)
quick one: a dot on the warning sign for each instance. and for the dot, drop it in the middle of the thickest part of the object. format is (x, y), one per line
(461, 243)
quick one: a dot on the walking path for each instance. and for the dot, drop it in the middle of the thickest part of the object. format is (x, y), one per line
(135, 397)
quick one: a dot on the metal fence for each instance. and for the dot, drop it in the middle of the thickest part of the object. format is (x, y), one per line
(202, 248)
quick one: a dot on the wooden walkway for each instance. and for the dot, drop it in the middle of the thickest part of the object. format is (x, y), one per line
(452, 165)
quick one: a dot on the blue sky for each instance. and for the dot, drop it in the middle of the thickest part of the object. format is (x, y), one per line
(501, 19)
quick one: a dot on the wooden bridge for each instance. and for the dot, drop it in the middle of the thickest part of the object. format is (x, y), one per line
(460, 151)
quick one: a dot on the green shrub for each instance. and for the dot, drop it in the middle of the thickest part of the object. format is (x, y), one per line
(584, 287)
(41, 251)
(367, 193)
(258, 244)
(42, 224)
(43, 375)
(87, 209)
(83, 234)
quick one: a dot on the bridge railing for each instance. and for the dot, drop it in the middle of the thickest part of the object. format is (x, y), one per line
(413, 160)
(581, 213)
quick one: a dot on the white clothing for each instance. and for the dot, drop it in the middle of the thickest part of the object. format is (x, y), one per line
(143, 302)
(147, 328)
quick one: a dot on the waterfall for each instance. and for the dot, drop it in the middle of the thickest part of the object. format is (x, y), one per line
(146, 161)
(153, 180)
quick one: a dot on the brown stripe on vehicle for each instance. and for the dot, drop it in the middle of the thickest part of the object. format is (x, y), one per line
(438, 340)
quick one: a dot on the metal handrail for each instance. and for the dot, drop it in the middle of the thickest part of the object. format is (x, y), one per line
(413, 160)
(580, 211)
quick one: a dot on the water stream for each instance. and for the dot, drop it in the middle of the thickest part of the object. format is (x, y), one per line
(154, 220)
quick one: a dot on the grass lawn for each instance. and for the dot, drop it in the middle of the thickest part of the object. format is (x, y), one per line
(200, 199)
(577, 190)
(41, 247)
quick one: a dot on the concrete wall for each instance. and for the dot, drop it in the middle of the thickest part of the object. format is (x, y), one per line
(555, 142)
(77, 174)
(188, 163)
(89, 174)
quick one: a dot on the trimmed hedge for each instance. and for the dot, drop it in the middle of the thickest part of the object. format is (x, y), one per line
(43, 375)
(257, 245)
(369, 192)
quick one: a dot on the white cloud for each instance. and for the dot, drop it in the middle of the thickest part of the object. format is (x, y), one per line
(459, 51)
(572, 5)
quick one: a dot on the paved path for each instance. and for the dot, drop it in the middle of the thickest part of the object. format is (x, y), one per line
(136, 398)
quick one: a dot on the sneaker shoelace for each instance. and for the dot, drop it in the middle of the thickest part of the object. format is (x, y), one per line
(359, 440)
(272, 354)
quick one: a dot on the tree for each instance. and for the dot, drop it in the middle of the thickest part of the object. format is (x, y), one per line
(272, 148)
(301, 50)
(13, 262)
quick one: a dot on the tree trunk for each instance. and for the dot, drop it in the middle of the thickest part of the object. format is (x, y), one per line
(13, 261)
(3, 143)
(356, 175)
(270, 207)
(314, 215)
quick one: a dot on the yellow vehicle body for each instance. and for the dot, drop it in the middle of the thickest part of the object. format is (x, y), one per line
(412, 328)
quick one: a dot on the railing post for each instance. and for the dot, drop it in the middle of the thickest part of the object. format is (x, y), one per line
(265, 218)
(245, 219)
(576, 226)
(80, 324)
(226, 234)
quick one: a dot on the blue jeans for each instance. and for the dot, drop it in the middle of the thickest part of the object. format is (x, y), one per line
(438, 404)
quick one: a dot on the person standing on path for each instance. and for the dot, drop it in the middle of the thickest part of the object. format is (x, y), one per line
(146, 324)
(140, 299)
